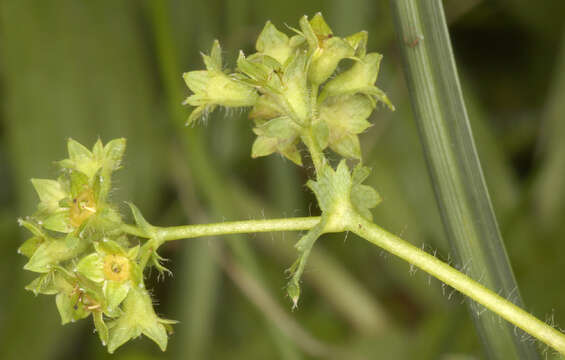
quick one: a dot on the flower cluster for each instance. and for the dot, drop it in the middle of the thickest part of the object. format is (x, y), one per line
(289, 84)
(82, 255)
(296, 96)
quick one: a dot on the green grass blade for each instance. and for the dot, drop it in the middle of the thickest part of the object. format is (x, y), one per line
(454, 165)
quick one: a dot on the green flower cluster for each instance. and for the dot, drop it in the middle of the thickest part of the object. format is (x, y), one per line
(82, 255)
(289, 84)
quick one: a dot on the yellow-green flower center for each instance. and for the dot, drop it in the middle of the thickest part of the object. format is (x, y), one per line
(83, 207)
(116, 267)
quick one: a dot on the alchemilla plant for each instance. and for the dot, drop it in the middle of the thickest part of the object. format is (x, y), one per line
(302, 107)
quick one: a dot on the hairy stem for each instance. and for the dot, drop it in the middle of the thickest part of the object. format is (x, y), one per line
(225, 228)
(391, 243)
(314, 149)
(459, 281)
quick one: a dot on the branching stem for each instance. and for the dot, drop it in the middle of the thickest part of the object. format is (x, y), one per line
(389, 242)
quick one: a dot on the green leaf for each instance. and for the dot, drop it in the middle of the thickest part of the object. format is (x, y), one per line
(339, 189)
(51, 253)
(98, 150)
(325, 60)
(115, 292)
(100, 326)
(59, 222)
(107, 246)
(113, 153)
(274, 43)
(143, 225)
(32, 226)
(92, 266)
(295, 90)
(79, 182)
(29, 247)
(321, 132)
(78, 152)
(43, 285)
(214, 60)
(308, 33)
(347, 145)
(267, 107)
(358, 42)
(69, 308)
(279, 134)
(50, 192)
(346, 116)
(138, 318)
(360, 78)
(320, 27)
(263, 146)
(332, 187)
(363, 198)
(81, 159)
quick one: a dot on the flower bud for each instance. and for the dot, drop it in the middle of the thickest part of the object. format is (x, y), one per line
(213, 87)
(327, 50)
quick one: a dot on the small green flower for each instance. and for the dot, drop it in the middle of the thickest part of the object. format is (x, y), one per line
(68, 202)
(138, 318)
(327, 50)
(213, 87)
(360, 78)
(114, 268)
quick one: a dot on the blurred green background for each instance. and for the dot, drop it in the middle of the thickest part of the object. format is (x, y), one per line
(89, 69)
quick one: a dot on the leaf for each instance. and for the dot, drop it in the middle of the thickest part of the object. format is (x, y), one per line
(114, 293)
(295, 90)
(138, 317)
(69, 308)
(77, 151)
(358, 42)
(214, 60)
(92, 266)
(359, 79)
(79, 182)
(320, 27)
(279, 134)
(51, 253)
(29, 247)
(143, 225)
(338, 189)
(274, 43)
(113, 153)
(100, 326)
(346, 116)
(267, 107)
(363, 198)
(325, 60)
(43, 285)
(59, 222)
(50, 192)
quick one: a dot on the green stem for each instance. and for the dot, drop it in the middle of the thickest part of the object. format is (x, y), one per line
(454, 166)
(225, 228)
(316, 153)
(391, 243)
(459, 281)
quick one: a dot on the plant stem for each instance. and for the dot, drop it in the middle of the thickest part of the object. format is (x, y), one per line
(230, 227)
(454, 166)
(391, 243)
(459, 281)
(313, 148)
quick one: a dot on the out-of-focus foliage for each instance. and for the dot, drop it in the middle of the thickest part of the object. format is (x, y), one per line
(113, 69)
